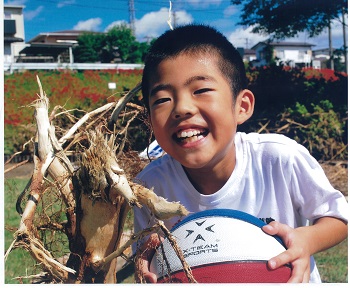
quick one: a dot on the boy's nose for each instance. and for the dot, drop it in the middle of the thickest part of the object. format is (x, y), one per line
(184, 107)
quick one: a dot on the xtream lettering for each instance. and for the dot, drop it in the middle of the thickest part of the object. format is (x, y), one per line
(201, 249)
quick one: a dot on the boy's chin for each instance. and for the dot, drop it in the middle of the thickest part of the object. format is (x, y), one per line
(193, 164)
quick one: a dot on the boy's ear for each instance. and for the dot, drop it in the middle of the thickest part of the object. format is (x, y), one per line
(244, 105)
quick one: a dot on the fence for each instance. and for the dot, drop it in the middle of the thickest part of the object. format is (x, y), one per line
(11, 67)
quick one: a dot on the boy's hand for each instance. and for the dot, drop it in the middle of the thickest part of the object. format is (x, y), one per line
(297, 253)
(148, 249)
(305, 241)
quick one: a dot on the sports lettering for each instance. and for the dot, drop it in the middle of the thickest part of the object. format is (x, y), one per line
(201, 249)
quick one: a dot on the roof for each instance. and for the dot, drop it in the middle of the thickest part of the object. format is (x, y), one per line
(74, 33)
(324, 50)
(51, 49)
(249, 51)
(13, 6)
(283, 44)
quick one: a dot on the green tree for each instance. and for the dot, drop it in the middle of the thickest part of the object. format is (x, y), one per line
(119, 43)
(89, 47)
(268, 52)
(285, 18)
(138, 52)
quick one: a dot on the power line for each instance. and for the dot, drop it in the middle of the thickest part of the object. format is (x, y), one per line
(86, 6)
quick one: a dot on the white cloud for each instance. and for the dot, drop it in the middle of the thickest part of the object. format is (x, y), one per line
(322, 40)
(116, 23)
(65, 3)
(230, 11)
(88, 25)
(30, 15)
(243, 37)
(155, 23)
(182, 17)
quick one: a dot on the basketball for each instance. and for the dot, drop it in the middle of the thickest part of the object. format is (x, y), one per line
(220, 246)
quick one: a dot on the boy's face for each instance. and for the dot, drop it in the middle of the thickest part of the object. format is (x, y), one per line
(192, 112)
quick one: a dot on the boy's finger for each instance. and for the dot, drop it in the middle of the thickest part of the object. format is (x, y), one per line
(280, 260)
(150, 277)
(146, 274)
(149, 248)
(300, 274)
(276, 228)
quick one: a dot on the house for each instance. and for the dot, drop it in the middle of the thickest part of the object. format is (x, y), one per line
(55, 47)
(249, 55)
(13, 32)
(290, 53)
(325, 54)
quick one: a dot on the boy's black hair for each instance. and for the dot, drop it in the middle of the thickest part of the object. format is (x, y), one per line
(195, 39)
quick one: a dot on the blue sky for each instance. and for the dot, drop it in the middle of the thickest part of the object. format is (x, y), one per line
(150, 18)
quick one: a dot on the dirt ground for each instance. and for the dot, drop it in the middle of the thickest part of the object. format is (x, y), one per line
(23, 171)
(336, 171)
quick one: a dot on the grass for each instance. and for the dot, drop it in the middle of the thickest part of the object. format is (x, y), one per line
(18, 263)
(332, 263)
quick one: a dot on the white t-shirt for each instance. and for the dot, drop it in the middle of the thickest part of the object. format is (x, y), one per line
(273, 177)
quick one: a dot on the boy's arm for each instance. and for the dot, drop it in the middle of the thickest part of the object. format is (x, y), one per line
(147, 251)
(302, 242)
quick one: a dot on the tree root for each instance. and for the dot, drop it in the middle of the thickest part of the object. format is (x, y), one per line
(28, 242)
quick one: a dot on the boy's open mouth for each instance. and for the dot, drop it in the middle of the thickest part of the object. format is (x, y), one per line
(191, 135)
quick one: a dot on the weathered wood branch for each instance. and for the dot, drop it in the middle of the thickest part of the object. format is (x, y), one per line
(121, 104)
(159, 207)
(97, 195)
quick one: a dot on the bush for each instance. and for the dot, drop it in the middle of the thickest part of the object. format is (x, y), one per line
(79, 90)
(307, 105)
(321, 130)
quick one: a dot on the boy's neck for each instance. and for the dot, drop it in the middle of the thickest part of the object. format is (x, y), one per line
(208, 182)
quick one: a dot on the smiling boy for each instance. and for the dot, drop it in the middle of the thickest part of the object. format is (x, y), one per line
(194, 87)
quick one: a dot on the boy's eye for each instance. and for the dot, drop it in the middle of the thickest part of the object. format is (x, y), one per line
(203, 90)
(160, 101)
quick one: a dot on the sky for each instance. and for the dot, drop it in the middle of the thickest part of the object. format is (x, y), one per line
(151, 18)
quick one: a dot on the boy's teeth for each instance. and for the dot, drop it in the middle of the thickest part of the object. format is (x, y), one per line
(185, 134)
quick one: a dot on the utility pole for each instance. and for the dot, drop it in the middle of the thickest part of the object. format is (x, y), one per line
(174, 18)
(132, 16)
(344, 41)
(330, 45)
(246, 43)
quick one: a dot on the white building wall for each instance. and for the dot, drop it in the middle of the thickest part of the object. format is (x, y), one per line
(14, 12)
(291, 54)
(286, 54)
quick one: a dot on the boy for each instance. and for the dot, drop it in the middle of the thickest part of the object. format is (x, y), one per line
(194, 87)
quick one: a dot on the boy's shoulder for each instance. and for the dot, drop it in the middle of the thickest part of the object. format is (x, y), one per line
(272, 145)
(157, 167)
(270, 138)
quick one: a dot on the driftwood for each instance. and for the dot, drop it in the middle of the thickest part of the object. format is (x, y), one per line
(96, 194)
